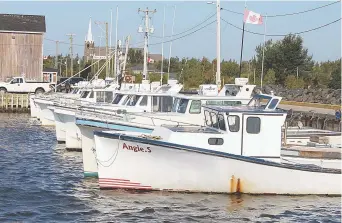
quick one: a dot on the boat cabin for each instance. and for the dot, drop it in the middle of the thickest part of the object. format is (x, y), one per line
(245, 130)
(240, 88)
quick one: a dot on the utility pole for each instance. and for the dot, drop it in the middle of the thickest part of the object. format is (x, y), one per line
(254, 75)
(297, 73)
(218, 44)
(146, 36)
(56, 58)
(71, 53)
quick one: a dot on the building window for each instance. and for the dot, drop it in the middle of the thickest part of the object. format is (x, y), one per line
(253, 125)
(233, 123)
(215, 141)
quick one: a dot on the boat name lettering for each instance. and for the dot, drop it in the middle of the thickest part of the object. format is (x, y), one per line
(136, 148)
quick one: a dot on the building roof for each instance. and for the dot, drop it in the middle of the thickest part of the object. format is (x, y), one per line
(50, 70)
(22, 23)
(155, 57)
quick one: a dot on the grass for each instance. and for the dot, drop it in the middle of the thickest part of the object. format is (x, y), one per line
(312, 105)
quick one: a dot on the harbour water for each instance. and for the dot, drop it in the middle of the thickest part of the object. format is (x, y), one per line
(41, 182)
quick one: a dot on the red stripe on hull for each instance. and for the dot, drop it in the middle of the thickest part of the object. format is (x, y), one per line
(121, 183)
(125, 187)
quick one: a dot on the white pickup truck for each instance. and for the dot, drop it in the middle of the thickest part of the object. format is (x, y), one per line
(20, 85)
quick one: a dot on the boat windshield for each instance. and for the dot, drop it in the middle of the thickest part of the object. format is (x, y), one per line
(183, 104)
(117, 99)
(85, 94)
(259, 101)
(175, 105)
(133, 100)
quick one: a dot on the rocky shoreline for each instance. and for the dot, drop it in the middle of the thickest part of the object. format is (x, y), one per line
(311, 95)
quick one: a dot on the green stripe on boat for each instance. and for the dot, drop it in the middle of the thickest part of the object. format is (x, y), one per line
(91, 174)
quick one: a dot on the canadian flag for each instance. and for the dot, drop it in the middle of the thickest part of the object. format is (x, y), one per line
(252, 17)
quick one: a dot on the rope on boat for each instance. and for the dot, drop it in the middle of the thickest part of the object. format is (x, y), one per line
(114, 155)
(149, 137)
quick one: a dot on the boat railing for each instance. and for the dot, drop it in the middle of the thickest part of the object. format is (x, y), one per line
(122, 115)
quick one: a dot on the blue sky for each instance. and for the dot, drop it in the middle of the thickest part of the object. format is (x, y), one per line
(63, 17)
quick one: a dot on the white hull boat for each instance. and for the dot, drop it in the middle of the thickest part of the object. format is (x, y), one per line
(46, 115)
(174, 167)
(67, 128)
(238, 152)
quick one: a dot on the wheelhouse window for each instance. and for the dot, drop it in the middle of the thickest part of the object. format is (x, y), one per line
(126, 100)
(175, 105)
(133, 100)
(162, 103)
(143, 101)
(195, 107)
(100, 96)
(108, 96)
(221, 122)
(91, 94)
(85, 94)
(273, 103)
(207, 118)
(183, 104)
(117, 98)
(214, 120)
(253, 125)
(233, 123)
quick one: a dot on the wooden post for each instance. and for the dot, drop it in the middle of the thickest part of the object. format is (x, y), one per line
(22, 101)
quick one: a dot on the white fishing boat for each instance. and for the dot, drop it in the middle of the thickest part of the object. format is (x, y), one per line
(239, 151)
(147, 112)
(43, 101)
(66, 128)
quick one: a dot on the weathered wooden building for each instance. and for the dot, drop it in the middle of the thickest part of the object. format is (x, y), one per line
(21, 46)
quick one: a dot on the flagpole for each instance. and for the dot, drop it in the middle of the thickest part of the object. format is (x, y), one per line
(243, 34)
(263, 54)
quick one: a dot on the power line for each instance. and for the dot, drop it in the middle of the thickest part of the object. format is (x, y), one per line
(296, 33)
(287, 14)
(184, 35)
(68, 43)
(177, 34)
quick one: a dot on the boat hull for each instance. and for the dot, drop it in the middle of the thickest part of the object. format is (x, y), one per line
(87, 128)
(46, 115)
(131, 162)
(60, 128)
(72, 132)
(33, 107)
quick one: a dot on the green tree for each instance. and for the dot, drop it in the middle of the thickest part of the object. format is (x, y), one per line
(335, 82)
(284, 56)
(291, 82)
(270, 77)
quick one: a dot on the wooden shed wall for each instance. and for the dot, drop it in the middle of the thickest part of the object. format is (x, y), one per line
(21, 52)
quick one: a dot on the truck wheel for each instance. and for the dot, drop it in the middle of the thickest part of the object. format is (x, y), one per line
(39, 91)
(3, 90)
